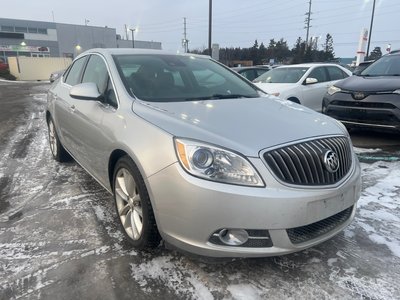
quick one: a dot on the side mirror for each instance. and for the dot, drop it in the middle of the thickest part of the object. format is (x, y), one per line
(85, 91)
(311, 80)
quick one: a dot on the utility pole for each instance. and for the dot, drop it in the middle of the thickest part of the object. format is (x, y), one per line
(126, 32)
(209, 25)
(308, 19)
(370, 28)
(185, 41)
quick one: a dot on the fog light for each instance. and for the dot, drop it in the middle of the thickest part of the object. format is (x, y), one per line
(233, 237)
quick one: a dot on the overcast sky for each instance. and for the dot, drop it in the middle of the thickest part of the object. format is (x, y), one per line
(236, 23)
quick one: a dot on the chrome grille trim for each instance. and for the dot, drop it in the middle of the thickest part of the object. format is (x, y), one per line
(302, 163)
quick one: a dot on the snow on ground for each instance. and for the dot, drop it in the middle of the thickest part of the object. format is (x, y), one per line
(59, 239)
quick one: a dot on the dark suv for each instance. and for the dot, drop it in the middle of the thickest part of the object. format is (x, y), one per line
(370, 99)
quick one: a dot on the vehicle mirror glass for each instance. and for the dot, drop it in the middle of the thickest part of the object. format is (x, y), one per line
(311, 80)
(85, 91)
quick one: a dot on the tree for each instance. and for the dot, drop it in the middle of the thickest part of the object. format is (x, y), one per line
(375, 54)
(328, 48)
(298, 51)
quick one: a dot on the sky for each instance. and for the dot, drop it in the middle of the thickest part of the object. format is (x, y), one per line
(235, 23)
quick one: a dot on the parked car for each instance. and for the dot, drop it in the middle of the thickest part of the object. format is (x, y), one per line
(191, 152)
(251, 73)
(55, 75)
(3, 64)
(362, 66)
(371, 99)
(302, 83)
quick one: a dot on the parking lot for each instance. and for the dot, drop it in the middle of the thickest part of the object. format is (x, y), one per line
(59, 237)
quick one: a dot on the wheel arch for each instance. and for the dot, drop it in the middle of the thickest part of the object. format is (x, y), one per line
(114, 157)
(294, 99)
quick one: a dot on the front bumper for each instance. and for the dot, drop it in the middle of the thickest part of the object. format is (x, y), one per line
(190, 210)
(375, 111)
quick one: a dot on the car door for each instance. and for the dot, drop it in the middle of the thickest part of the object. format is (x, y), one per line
(314, 92)
(90, 140)
(62, 107)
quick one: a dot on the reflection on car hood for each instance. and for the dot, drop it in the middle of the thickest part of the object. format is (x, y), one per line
(244, 125)
(274, 87)
(370, 84)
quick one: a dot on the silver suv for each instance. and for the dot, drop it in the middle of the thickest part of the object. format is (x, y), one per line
(198, 156)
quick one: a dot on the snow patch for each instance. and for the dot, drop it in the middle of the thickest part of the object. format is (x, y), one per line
(244, 292)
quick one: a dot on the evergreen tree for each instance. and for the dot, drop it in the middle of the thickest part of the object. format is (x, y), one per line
(328, 48)
(375, 54)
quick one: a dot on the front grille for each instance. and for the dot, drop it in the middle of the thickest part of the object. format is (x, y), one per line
(302, 163)
(306, 233)
(363, 104)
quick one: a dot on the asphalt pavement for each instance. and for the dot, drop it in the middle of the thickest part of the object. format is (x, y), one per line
(59, 237)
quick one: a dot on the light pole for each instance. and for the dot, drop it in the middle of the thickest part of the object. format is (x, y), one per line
(370, 27)
(209, 25)
(133, 36)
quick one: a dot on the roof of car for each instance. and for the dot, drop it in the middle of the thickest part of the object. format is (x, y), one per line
(250, 67)
(125, 51)
(307, 65)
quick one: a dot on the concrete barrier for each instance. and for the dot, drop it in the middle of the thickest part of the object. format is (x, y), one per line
(36, 68)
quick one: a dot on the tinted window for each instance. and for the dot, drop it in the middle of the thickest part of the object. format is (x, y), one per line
(96, 72)
(335, 73)
(249, 74)
(282, 75)
(261, 71)
(319, 74)
(74, 74)
(179, 78)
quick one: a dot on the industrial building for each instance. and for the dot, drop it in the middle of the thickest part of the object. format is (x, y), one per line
(50, 39)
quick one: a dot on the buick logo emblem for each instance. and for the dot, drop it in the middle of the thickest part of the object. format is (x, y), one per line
(331, 161)
(359, 95)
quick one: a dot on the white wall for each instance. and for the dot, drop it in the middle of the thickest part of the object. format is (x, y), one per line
(36, 68)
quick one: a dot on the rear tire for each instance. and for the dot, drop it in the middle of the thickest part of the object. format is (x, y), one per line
(57, 150)
(134, 209)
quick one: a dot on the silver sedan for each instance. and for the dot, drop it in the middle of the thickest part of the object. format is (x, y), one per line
(199, 157)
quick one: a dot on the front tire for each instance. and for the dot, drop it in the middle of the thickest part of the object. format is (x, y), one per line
(133, 205)
(57, 150)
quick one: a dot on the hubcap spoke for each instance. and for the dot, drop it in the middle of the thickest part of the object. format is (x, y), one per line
(129, 204)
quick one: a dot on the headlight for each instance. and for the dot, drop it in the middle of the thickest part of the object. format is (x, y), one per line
(216, 164)
(396, 91)
(333, 90)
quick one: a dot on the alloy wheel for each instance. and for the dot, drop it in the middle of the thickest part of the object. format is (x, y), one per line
(129, 205)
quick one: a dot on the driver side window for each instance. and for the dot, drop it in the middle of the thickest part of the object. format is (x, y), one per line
(319, 74)
(96, 72)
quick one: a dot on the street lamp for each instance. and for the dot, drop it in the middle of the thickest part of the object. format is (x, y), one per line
(370, 27)
(133, 37)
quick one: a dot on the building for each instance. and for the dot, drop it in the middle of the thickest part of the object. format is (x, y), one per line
(50, 39)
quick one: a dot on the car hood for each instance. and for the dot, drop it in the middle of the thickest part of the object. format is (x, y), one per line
(274, 87)
(370, 84)
(243, 125)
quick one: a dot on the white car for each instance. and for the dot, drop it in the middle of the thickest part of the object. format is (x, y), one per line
(303, 83)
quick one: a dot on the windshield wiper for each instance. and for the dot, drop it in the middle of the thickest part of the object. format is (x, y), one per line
(220, 96)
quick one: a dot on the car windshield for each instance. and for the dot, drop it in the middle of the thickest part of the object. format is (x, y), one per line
(282, 75)
(385, 66)
(167, 78)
